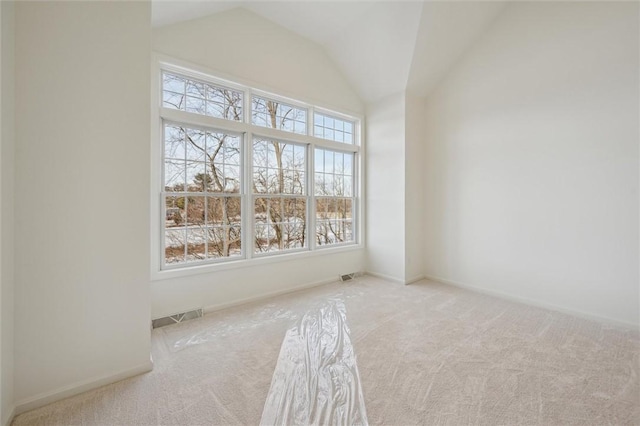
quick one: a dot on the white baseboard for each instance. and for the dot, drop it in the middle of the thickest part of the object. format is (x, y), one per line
(45, 398)
(269, 295)
(537, 303)
(385, 277)
(395, 279)
(8, 419)
(414, 279)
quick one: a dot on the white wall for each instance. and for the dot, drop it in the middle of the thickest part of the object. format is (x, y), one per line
(414, 187)
(81, 195)
(6, 210)
(447, 30)
(395, 187)
(239, 44)
(385, 200)
(532, 160)
(375, 49)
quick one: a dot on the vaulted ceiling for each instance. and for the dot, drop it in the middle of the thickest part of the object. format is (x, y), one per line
(382, 47)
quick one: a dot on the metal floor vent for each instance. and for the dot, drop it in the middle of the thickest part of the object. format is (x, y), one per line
(348, 277)
(176, 318)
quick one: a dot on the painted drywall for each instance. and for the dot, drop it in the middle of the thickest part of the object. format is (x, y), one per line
(414, 187)
(385, 179)
(447, 29)
(375, 51)
(263, 54)
(531, 160)
(221, 289)
(6, 210)
(81, 195)
(395, 187)
(243, 45)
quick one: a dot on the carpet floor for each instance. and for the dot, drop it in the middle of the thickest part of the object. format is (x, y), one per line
(426, 353)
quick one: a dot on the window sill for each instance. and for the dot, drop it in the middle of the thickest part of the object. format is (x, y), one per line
(249, 263)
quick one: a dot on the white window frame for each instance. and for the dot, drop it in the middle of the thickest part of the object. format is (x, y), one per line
(159, 114)
(186, 194)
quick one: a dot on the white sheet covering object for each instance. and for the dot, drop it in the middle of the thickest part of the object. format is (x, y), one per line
(316, 380)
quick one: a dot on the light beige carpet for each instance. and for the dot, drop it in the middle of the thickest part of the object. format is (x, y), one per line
(427, 354)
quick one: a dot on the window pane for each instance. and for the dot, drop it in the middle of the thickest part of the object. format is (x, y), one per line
(172, 83)
(223, 231)
(196, 247)
(261, 221)
(195, 211)
(174, 175)
(223, 241)
(174, 212)
(334, 221)
(223, 211)
(235, 241)
(174, 142)
(196, 178)
(348, 164)
(285, 167)
(212, 160)
(329, 188)
(195, 219)
(348, 186)
(332, 128)
(260, 180)
(195, 144)
(196, 105)
(338, 185)
(173, 100)
(195, 89)
(319, 184)
(175, 231)
(278, 115)
(338, 163)
(231, 150)
(280, 224)
(185, 94)
(328, 161)
(334, 172)
(223, 159)
(174, 246)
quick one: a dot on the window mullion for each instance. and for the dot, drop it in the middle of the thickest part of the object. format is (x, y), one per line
(311, 197)
(247, 167)
(248, 224)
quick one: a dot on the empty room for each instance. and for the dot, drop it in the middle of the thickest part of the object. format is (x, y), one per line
(319, 212)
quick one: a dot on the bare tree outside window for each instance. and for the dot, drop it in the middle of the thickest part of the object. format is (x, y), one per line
(190, 95)
(204, 220)
(334, 192)
(203, 189)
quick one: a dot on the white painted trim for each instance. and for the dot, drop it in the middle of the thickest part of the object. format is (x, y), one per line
(414, 279)
(73, 389)
(7, 421)
(385, 277)
(396, 279)
(269, 295)
(537, 303)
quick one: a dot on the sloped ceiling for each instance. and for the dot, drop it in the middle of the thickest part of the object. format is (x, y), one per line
(447, 30)
(382, 47)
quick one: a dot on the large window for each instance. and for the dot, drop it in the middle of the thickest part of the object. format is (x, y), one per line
(245, 175)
